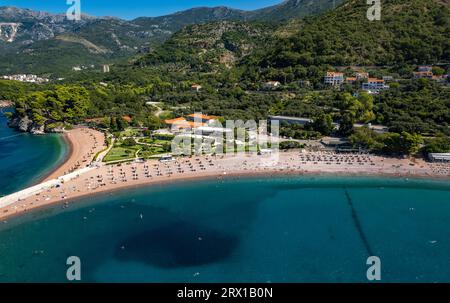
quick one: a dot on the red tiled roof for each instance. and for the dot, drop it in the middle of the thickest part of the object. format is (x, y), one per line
(127, 118)
(424, 73)
(175, 121)
(376, 80)
(202, 117)
(183, 123)
(334, 74)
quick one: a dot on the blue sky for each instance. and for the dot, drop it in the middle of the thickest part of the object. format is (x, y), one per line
(129, 9)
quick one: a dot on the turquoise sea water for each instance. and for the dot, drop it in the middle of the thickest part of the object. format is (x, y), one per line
(24, 159)
(290, 229)
(287, 229)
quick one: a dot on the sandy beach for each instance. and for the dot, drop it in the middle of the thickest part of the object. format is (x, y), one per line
(103, 178)
(84, 144)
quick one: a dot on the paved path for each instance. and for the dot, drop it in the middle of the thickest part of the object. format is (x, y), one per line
(37, 189)
(103, 154)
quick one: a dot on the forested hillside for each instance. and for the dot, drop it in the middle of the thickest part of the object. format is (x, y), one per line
(209, 47)
(410, 32)
(232, 61)
(44, 43)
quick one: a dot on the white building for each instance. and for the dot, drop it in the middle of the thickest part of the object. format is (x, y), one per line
(439, 157)
(374, 85)
(362, 76)
(26, 78)
(196, 87)
(334, 79)
(208, 130)
(425, 68)
(272, 85)
(291, 120)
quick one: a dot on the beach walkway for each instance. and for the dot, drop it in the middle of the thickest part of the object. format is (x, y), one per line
(98, 177)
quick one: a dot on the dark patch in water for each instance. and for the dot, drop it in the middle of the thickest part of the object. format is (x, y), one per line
(181, 244)
(358, 225)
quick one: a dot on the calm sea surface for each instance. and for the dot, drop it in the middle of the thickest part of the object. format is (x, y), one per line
(287, 229)
(24, 158)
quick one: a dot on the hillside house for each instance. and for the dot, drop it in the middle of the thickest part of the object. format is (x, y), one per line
(375, 85)
(271, 85)
(334, 79)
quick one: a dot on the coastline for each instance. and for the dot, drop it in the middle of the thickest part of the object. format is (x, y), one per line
(69, 148)
(65, 145)
(263, 175)
(108, 179)
(81, 143)
(68, 152)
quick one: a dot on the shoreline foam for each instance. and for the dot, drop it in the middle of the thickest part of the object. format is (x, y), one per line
(95, 181)
(192, 180)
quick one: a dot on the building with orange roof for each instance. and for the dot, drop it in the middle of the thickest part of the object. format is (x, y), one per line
(203, 118)
(374, 84)
(181, 123)
(375, 80)
(350, 80)
(437, 77)
(127, 118)
(362, 76)
(175, 121)
(196, 87)
(424, 74)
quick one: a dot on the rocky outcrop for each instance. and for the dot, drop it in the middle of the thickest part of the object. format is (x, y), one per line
(22, 124)
(55, 128)
(8, 31)
(37, 129)
(6, 103)
(25, 124)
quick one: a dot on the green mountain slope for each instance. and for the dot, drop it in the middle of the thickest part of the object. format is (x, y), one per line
(40, 44)
(232, 60)
(208, 47)
(414, 31)
(293, 9)
(410, 32)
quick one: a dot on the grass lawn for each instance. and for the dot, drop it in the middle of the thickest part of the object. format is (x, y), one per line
(121, 153)
(146, 154)
(129, 132)
(153, 141)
